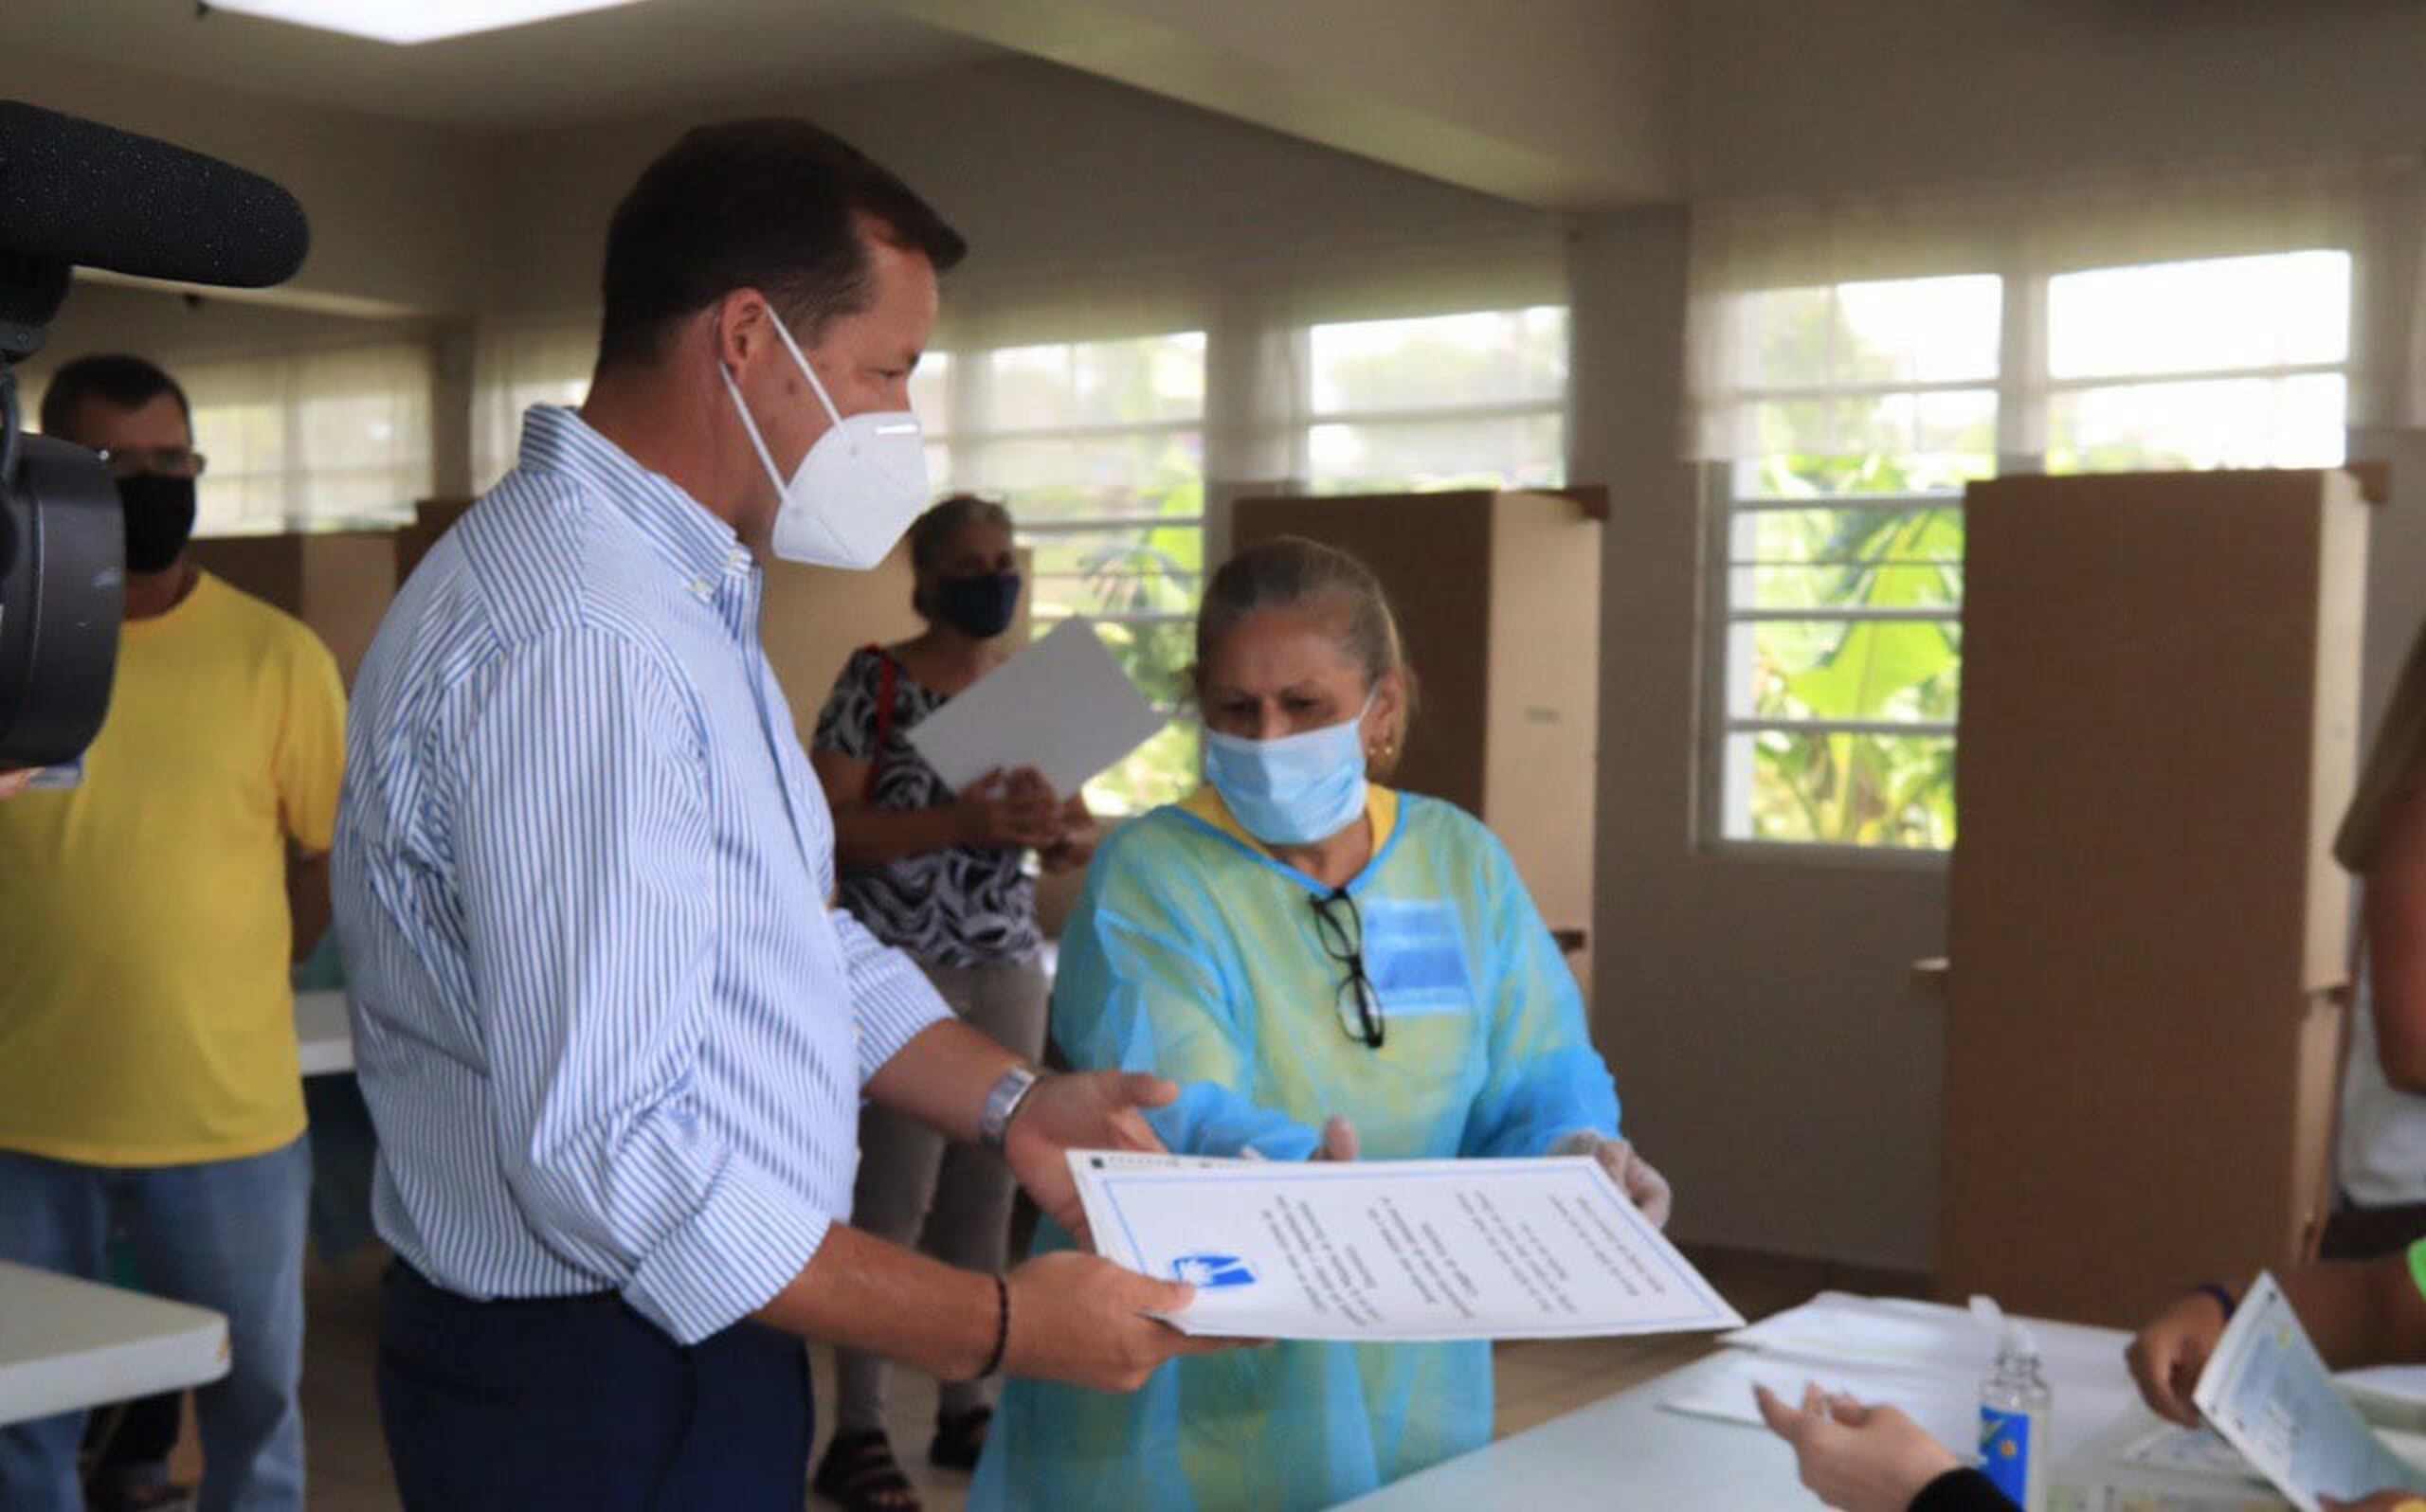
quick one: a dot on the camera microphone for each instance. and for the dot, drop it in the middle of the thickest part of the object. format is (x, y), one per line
(75, 193)
(79, 193)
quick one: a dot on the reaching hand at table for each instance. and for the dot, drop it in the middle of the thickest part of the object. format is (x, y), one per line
(15, 780)
(1635, 1177)
(1856, 1458)
(2171, 1351)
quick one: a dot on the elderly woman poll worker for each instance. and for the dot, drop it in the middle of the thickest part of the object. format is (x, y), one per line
(1297, 944)
(1876, 1459)
(944, 878)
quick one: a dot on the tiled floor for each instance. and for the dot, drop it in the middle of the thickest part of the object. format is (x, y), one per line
(1538, 1380)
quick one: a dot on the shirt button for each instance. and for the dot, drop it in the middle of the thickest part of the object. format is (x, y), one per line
(701, 588)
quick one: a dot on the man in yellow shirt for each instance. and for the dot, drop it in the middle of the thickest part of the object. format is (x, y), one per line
(148, 1072)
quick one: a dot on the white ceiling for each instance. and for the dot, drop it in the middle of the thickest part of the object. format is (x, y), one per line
(656, 54)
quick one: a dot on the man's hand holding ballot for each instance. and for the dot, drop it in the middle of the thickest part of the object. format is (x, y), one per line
(1069, 1316)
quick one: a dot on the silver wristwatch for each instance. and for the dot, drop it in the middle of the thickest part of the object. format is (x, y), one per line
(1003, 1104)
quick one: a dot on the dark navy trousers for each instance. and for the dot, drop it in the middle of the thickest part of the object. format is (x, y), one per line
(580, 1402)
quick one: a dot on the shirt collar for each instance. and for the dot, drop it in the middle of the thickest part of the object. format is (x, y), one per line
(702, 548)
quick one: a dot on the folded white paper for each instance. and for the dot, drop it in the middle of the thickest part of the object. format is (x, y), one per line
(1395, 1251)
(1062, 706)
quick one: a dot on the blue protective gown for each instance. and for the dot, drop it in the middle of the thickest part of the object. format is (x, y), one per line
(1195, 955)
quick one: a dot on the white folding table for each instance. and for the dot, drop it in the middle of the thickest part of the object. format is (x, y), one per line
(323, 1034)
(66, 1345)
(1631, 1453)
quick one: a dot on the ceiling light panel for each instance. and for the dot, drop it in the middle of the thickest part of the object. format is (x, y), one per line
(412, 20)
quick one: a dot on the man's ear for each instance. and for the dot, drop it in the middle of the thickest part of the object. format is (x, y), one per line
(740, 328)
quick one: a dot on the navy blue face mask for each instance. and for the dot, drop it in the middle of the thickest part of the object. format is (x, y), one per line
(981, 606)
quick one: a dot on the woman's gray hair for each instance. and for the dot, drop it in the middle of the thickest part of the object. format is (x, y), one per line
(933, 533)
(1291, 572)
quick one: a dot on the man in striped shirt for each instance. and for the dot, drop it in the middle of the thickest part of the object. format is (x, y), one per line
(613, 1037)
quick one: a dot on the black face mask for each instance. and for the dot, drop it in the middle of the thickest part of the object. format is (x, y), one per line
(983, 606)
(159, 519)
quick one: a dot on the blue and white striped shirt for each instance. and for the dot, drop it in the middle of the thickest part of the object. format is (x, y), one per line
(611, 1031)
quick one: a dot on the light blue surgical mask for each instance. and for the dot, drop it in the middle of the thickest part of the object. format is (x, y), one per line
(1294, 790)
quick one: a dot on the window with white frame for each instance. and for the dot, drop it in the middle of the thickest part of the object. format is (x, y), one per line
(1836, 670)
(1099, 449)
(313, 438)
(1471, 400)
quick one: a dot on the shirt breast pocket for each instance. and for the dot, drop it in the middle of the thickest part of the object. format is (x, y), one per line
(1416, 954)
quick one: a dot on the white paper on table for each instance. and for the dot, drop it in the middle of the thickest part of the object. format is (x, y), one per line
(1898, 1332)
(1945, 1404)
(2396, 1392)
(1395, 1251)
(2189, 1450)
(1839, 1327)
(2113, 1496)
(1062, 706)
(2267, 1393)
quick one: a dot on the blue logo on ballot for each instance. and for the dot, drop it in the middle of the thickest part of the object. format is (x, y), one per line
(1213, 1270)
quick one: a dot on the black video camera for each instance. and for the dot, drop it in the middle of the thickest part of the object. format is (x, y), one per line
(75, 193)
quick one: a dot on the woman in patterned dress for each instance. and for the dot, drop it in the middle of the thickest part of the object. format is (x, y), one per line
(947, 878)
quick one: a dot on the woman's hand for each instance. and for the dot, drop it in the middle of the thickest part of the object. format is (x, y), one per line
(15, 780)
(1005, 811)
(1340, 1140)
(1635, 1177)
(1856, 1458)
(1080, 835)
(2171, 1351)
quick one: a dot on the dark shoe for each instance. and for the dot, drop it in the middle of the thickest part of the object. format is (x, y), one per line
(960, 1437)
(140, 1496)
(860, 1474)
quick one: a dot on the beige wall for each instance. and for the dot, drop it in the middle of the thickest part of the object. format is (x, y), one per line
(397, 210)
(1855, 93)
(1047, 171)
(1566, 103)
(165, 326)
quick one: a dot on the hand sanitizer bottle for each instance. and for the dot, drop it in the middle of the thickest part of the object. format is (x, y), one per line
(2014, 1402)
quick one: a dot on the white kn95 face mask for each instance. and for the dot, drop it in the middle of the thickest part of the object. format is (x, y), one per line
(856, 492)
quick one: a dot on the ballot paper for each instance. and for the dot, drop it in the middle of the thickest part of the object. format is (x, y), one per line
(2267, 1391)
(1062, 706)
(1395, 1251)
